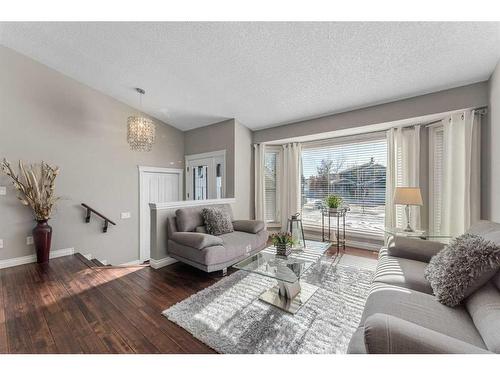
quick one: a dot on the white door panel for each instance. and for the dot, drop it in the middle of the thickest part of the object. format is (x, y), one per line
(205, 176)
(157, 185)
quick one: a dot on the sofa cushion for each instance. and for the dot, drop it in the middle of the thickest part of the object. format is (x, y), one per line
(484, 308)
(386, 334)
(242, 242)
(187, 219)
(196, 240)
(496, 280)
(402, 272)
(422, 309)
(489, 230)
(413, 248)
(235, 245)
(201, 229)
(357, 342)
(462, 267)
(209, 256)
(249, 226)
(217, 221)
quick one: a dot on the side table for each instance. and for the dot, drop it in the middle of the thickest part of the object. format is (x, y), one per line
(338, 215)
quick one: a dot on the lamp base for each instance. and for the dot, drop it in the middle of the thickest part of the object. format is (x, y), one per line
(408, 226)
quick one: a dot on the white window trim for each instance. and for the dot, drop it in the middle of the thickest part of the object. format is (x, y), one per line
(349, 233)
(359, 138)
(279, 150)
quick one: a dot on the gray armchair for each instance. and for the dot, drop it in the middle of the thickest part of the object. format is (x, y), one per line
(188, 241)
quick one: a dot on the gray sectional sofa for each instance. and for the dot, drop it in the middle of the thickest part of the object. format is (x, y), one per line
(401, 314)
(188, 241)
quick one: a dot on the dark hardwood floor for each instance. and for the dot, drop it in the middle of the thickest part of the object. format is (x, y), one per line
(69, 307)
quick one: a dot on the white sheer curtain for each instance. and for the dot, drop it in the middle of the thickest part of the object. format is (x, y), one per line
(259, 159)
(461, 172)
(403, 169)
(290, 185)
(390, 179)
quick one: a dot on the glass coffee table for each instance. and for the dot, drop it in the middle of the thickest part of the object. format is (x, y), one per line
(290, 293)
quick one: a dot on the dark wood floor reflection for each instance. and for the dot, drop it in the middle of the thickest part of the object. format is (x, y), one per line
(69, 307)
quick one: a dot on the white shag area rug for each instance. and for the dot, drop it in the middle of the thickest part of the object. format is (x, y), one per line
(229, 317)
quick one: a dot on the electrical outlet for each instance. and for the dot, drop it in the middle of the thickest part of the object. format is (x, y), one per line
(1, 243)
(3, 190)
(29, 240)
(125, 215)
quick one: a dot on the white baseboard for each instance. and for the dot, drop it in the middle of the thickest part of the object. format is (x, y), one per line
(349, 242)
(32, 258)
(136, 262)
(363, 245)
(159, 263)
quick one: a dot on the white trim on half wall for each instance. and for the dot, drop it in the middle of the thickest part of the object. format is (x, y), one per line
(154, 263)
(144, 210)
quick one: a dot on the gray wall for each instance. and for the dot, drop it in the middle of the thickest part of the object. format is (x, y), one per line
(215, 137)
(243, 181)
(48, 116)
(490, 155)
(454, 99)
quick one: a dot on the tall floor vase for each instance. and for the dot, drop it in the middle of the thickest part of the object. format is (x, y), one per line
(42, 236)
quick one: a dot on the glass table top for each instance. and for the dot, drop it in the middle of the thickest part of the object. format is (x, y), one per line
(288, 269)
(422, 234)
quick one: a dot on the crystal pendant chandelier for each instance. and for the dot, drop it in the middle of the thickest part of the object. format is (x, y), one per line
(140, 130)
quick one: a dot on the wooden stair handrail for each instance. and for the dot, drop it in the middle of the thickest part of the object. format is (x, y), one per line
(106, 220)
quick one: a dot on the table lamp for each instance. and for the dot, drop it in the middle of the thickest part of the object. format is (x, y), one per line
(409, 196)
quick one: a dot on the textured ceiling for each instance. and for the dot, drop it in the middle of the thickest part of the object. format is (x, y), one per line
(262, 74)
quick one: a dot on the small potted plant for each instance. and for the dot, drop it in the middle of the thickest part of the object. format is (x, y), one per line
(333, 202)
(35, 185)
(283, 242)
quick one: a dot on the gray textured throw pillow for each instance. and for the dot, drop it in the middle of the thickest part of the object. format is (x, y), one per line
(217, 221)
(463, 266)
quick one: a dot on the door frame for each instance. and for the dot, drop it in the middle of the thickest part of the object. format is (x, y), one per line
(145, 169)
(205, 155)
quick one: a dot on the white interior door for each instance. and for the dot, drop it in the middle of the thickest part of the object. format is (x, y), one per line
(200, 179)
(156, 185)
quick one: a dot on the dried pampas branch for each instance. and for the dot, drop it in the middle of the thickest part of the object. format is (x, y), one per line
(35, 185)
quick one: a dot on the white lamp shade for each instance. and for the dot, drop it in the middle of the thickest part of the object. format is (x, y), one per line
(408, 195)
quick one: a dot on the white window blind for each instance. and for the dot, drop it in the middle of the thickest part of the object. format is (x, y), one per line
(271, 182)
(436, 178)
(355, 169)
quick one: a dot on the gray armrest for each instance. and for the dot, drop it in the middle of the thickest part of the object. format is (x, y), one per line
(413, 248)
(196, 240)
(386, 334)
(249, 226)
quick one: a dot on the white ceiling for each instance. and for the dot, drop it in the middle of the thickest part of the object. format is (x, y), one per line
(263, 74)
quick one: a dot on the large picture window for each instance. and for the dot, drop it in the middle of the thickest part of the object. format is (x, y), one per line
(353, 168)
